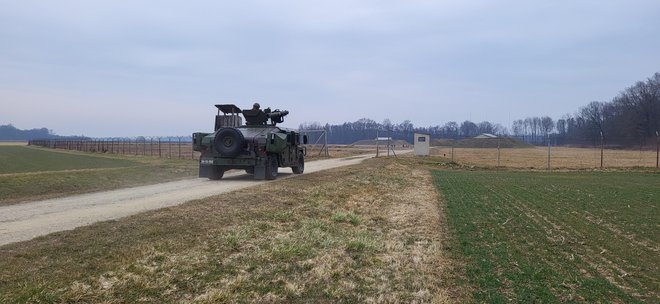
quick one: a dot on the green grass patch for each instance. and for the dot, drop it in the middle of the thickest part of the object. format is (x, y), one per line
(33, 173)
(22, 159)
(346, 217)
(556, 237)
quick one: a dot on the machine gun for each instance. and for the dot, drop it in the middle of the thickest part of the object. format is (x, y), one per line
(276, 116)
(257, 117)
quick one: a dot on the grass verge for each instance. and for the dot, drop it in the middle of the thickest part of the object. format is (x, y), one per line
(368, 233)
(556, 237)
(33, 173)
(23, 159)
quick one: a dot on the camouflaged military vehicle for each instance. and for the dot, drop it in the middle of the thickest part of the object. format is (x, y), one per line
(259, 147)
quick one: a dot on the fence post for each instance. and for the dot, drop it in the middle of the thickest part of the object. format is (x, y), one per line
(452, 153)
(169, 146)
(159, 153)
(602, 146)
(548, 151)
(377, 142)
(498, 152)
(179, 147)
(657, 149)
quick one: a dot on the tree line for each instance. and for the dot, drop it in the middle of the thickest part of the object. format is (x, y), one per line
(9, 132)
(365, 128)
(631, 118)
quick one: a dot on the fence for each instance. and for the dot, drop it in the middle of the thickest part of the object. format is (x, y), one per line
(550, 158)
(163, 147)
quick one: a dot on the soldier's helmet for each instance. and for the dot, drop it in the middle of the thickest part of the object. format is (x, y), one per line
(256, 106)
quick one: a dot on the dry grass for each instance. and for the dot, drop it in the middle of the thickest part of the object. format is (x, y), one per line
(368, 233)
(13, 143)
(537, 157)
(338, 151)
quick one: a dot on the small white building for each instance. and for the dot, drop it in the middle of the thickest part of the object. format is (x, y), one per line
(422, 144)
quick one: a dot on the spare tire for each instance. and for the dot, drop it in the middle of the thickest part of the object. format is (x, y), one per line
(228, 142)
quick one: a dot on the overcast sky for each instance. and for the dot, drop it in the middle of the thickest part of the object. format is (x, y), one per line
(128, 68)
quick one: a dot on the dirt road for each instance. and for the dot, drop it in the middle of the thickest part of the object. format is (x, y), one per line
(28, 220)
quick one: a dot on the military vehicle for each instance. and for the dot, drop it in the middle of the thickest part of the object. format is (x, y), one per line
(259, 147)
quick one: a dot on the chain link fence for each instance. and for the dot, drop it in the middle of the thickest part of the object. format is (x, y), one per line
(164, 147)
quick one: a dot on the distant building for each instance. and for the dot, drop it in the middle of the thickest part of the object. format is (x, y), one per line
(422, 144)
(486, 135)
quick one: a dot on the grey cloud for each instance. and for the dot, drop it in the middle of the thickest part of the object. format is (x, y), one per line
(494, 60)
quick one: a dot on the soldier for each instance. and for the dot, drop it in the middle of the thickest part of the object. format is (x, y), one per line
(255, 116)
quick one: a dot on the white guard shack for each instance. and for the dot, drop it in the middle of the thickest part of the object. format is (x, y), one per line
(422, 144)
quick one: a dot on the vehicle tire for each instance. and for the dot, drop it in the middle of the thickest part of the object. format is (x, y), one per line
(228, 142)
(271, 167)
(249, 170)
(216, 173)
(300, 167)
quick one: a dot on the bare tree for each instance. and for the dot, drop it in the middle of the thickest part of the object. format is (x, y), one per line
(547, 124)
(469, 129)
(593, 116)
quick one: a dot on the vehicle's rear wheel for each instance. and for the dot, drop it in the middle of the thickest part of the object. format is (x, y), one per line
(300, 167)
(271, 167)
(216, 173)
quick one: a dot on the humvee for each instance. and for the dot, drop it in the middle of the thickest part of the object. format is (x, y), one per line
(259, 147)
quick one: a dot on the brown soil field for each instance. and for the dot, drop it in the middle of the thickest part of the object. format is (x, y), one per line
(560, 157)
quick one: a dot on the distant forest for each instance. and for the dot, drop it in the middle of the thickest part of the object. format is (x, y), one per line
(631, 118)
(11, 133)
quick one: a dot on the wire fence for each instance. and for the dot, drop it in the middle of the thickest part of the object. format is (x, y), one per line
(550, 158)
(162, 147)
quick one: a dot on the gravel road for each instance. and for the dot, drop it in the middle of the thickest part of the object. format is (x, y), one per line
(28, 220)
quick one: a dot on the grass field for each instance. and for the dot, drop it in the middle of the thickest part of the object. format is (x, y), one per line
(369, 233)
(28, 173)
(556, 237)
(537, 157)
(21, 159)
(407, 229)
